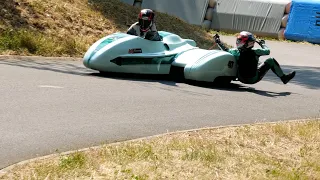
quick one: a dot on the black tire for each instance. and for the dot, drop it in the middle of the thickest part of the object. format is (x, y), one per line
(177, 74)
(102, 73)
(223, 80)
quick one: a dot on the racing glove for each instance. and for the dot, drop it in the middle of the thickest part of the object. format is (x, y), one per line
(216, 38)
(261, 42)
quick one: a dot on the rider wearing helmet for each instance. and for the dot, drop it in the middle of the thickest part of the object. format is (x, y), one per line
(247, 59)
(145, 27)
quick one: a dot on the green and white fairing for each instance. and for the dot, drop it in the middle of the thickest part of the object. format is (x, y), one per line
(123, 53)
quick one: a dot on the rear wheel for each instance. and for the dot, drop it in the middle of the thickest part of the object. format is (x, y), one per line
(103, 73)
(223, 80)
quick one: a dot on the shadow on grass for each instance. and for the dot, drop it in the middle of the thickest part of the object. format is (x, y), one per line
(73, 68)
(121, 14)
(11, 15)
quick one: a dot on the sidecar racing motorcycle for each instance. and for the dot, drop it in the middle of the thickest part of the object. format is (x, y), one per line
(174, 56)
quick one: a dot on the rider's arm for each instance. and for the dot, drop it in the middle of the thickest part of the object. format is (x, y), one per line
(132, 30)
(222, 46)
(264, 51)
(157, 37)
(153, 34)
(234, 51)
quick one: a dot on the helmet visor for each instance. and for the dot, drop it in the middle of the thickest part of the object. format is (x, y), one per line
(144, 24)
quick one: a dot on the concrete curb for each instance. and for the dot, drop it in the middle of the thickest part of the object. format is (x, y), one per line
(9, 168)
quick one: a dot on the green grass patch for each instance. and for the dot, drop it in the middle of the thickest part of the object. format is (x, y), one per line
(29, 42)
(73, 161)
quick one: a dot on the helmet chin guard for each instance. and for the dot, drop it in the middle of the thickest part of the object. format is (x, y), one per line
(145, 25)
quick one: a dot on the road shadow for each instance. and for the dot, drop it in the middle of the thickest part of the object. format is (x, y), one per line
(235, 87)
(78, 69)
(163, 79)
(167, 80)
(308, 77)
(59, 66)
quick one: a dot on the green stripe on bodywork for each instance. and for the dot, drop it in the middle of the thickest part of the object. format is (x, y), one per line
(139, 61)
(116, 36)
(107, 41)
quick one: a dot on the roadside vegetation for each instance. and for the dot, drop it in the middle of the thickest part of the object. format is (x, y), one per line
(284, 150)
(69, 27)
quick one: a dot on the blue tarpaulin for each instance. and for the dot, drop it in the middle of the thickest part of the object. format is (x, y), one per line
(304, 21)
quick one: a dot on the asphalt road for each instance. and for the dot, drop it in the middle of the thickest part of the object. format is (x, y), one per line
(48, 104)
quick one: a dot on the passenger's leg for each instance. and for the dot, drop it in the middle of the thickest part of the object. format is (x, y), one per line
(261, 72)
(272, 64)
(275, 67)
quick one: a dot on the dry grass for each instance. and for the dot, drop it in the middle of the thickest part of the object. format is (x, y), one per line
(287, 150)
(69, 27)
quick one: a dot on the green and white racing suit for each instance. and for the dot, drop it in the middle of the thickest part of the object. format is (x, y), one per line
(248, 70)
(152, 34)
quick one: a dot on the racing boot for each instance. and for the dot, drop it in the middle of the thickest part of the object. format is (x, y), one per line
(287, 77)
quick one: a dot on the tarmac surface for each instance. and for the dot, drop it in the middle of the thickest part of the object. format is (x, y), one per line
(50, 105)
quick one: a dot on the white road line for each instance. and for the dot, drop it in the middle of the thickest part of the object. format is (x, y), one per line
(48, 86)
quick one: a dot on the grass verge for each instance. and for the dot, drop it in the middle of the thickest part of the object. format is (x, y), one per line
(284, 150)
(69, 27)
